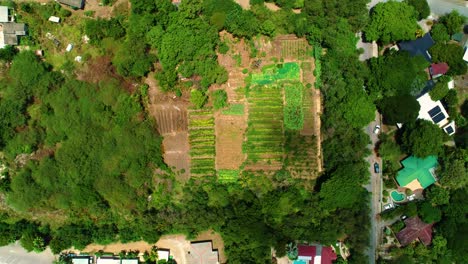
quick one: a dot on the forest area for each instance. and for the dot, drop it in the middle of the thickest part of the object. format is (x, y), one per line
(84, 160)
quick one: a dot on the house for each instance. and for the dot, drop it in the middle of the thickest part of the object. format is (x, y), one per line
(438, 69)
(54, 19)
(163, 254)
(435, 112)
(418, 47)
(73, 3)
(465, 56)
(4, 15)
(202, 252)
(417, 173)
(9, 33)
(115, 260)
(415, 229)
(315, 255)
(81, 260)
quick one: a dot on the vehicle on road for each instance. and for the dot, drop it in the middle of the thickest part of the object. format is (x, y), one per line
(376, 168)
(388, 206)
(377, 129)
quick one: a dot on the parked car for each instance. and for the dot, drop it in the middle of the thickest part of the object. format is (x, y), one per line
(388, 206)
(376, 168)
(377, 129)
(403, 217)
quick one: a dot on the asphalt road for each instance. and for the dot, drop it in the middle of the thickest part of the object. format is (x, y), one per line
(375, 188)
(15, 254)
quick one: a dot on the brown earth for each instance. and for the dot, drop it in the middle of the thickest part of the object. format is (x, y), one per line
(229, 131)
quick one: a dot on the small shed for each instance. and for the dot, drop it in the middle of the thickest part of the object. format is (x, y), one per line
(73, 3)
(4, 14)
(54, 19)
(69, 47)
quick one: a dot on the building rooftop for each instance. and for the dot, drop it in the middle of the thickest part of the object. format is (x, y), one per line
(432, 111)
(439, 68)
(202, 253)
(417, 173)
(73, 3)
(4, 14)
(418, 47)
(414, 229)
(315, 254)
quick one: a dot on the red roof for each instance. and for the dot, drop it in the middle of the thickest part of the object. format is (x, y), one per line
(439, 68)
(415, 228)
(327, 253)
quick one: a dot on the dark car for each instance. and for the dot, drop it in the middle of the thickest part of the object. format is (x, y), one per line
(376, 168)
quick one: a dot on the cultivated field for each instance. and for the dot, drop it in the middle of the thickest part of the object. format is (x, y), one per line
(202, 143)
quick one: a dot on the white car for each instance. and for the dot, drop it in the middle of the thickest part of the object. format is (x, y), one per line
(388, 206)
(377, 129)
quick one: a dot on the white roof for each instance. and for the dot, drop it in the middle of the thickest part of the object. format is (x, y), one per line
(163, 254)
(54, 19)
(80, 260)
(465, 57)
(69, 47)
(427, 104)
(318, 260)
(451, 84)
(4, 14)
(107, 261)
(129, 261)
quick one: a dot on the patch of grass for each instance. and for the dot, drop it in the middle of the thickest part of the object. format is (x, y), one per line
(235, 109)
(278, 72)
(227, 176)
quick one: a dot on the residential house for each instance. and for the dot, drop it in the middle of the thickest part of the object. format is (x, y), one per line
(202, 252)
(163, 254)
(317, 254)
(417, 173)
(415, 229)
(418, 47)
(81, 260)
(9, 33)
(73, 3)
(435, 112)
(115, 260)
(438, 69)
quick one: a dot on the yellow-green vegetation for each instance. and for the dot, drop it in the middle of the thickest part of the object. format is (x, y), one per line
(202, 143)
(228, 176)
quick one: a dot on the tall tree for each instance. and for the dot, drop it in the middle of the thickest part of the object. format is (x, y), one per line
(421, 7)
(399, 109)
(383, 26)
(453, 170)
(453, 21)
(422, 138)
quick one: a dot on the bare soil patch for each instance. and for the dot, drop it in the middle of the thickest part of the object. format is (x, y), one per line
(176, 153)
(229, 138)
(245, 4)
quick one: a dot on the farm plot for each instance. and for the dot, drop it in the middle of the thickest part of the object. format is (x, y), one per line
(295, 49)
(301, 159)
(202, 142)
(265, 132)
(229, 137)
(279, 72)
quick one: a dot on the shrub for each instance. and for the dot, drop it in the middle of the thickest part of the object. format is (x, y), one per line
(197, 98)
(219, 99)
(223, 48)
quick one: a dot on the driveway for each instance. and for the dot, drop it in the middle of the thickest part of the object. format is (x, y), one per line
(15, 254)
(375, 188)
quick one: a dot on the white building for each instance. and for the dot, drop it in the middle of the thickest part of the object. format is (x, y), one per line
(54, 19)
(4, 17)
(435, 112)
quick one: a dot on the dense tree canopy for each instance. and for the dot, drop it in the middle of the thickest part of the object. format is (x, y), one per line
(383, 26)
(453, 21)
(450, 53)
(421, 7)
(422, 138)
(399, 109)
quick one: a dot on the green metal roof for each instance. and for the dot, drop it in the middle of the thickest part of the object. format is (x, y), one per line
(458, 36)
(416, 168)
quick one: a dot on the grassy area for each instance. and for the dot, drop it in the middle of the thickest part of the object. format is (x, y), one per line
(293, 112)
(278, 72)
(235, 109)
(227, 176)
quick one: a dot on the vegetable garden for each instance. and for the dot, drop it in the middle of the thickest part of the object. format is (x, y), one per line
(202, 142)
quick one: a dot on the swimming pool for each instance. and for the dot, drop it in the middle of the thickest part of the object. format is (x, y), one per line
(299, 262)
(398, 197)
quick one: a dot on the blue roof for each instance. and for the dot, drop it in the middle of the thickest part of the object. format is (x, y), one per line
(418, 46)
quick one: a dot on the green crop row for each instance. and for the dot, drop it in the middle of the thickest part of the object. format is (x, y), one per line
(201, 122)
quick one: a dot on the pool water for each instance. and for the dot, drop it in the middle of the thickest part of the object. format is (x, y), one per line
(299, 262)
(398, 197)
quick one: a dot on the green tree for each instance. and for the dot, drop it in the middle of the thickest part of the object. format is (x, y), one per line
(389, 150)
(453, 21)
(439, 91)
(197, 98)
(450, 53)
(429, 213)
(399, 109)
(423, 138)
(454, 168)
(8, 53)
(438, 195)
(383, 26)
(421, 7)
(439, 33)
(219, 99)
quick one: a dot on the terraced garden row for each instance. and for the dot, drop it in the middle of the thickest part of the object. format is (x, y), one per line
(301, 156)
(202, 142)
(264, 135)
